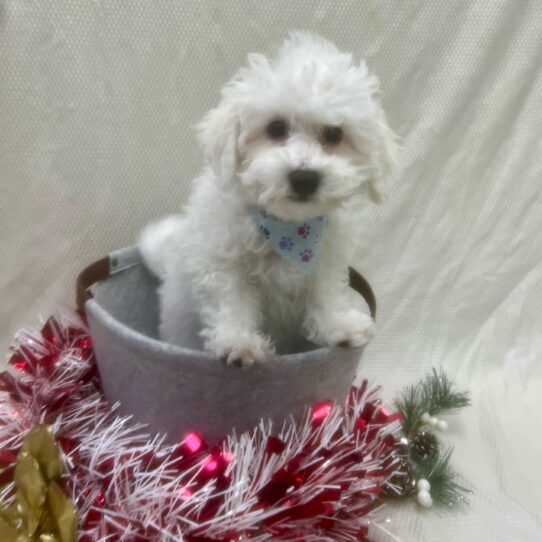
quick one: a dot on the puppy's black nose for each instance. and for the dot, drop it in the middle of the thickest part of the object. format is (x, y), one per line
(304, 182)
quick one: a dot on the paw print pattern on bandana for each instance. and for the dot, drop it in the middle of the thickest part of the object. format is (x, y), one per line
(304, 230)
(296, 242)
(286, 243)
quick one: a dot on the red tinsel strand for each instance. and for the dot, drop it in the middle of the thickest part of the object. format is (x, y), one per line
(310, 481)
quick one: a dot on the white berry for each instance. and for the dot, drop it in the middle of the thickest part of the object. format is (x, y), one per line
(442, 425)
(433, 421)
(423, 485)
(426, 417)
(424, 499)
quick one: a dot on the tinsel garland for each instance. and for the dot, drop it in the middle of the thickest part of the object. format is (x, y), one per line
(315, 480)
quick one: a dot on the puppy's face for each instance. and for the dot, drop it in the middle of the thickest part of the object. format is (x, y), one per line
(301, 164)
(301, 134)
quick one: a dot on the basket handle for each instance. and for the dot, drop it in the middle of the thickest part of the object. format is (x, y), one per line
(113, 263)
(101, 269)
(93, 273)
(359, 283)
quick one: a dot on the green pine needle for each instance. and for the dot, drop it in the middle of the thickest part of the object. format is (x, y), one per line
(445, 491)
(411, 407)
(435, 394)
(440, 395)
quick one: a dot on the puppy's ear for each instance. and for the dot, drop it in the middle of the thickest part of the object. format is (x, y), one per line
(383, 158)
(218, 134)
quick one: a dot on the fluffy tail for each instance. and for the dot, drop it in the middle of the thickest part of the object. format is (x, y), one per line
(160, 242)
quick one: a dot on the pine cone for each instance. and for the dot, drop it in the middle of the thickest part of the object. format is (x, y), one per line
(424, 445)
(402, 482)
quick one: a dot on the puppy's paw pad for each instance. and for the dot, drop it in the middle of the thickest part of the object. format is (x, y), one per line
(242, 350)
(241, 358)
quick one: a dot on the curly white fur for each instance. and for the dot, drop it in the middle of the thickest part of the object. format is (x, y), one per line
(246, 293)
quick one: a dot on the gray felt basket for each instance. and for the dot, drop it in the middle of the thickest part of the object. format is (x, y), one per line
(176, 390)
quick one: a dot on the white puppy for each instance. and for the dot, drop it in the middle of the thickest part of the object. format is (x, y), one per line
(294, 142)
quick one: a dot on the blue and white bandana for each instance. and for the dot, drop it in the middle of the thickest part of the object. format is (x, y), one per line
(297, 242)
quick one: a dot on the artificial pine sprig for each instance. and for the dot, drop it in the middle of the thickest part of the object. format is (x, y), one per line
(445, 491)
(412, 408)
(435, 394)
(440, 395)
(434, 478)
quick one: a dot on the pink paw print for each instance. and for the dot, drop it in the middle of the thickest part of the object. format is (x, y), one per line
(304, 230)
(306, 255)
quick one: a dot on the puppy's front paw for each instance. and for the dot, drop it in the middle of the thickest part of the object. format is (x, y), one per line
(351, 328)
(240, 348)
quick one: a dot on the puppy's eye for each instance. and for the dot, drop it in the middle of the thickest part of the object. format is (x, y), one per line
(277, 129)
(333, 134)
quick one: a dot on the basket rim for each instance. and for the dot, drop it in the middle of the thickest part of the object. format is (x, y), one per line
(127, 257)
(182, 354)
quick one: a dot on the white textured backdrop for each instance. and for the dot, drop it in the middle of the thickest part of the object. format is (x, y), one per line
(97, 103)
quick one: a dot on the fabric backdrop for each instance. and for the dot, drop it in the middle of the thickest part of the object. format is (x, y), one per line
(98, 99)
